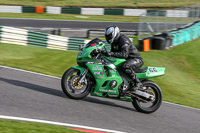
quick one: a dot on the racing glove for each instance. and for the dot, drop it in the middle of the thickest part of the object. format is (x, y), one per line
(107, 53)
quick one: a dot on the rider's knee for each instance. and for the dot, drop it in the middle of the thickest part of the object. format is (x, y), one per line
(128, 71)
(126, 66)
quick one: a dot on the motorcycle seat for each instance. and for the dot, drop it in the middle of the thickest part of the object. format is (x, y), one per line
(143, 70)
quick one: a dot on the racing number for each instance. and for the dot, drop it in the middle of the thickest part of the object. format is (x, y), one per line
(152, 70)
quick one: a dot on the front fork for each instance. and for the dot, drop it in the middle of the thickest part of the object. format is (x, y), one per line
(82, 77)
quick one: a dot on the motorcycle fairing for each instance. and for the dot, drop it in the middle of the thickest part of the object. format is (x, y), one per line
(103, 76)
(151, 72)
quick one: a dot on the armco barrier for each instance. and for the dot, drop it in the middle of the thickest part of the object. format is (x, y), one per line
(32, 38)
(38, 39)
(110, 11)
(92, 11)
(71, 10)
(74, 43)
(57, 42)
(185, 34)
(53, 10)
(11, 9)
(13, 35)
(100, 11)
(174, 37)
(28, 9)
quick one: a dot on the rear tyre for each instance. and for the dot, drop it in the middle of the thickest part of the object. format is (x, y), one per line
(70, 87)
(149, 106)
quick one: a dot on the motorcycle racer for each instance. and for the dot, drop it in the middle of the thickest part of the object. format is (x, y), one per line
(122, 47)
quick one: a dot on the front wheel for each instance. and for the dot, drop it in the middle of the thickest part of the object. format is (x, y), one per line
(149, 106)
(71, 88)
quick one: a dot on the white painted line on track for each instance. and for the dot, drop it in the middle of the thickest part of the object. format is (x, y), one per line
(181, 105)
(60, 78)
(29, 72)
(58, 123)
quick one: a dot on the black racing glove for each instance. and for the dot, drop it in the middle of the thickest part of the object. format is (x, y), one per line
(107, 53)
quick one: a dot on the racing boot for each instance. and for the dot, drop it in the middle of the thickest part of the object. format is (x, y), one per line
(137, 82)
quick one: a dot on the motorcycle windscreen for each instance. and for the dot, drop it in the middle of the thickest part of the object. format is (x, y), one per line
(93, 42)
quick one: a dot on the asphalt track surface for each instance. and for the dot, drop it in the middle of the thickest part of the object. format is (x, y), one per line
(70, 24)
(35, 96)
(42, 23)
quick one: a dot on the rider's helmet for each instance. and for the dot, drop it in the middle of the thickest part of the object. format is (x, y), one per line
(112, 33)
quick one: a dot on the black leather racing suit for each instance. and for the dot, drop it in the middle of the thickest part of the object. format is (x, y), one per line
(124, 48)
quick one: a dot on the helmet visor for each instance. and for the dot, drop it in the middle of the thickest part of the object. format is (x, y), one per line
(109, 38)
(109, 35)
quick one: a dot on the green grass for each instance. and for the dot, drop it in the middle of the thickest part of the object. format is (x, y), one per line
(104, 3)
(179, 85)
(51, 62)
(11, 126)
(119, 18)
(181, 82)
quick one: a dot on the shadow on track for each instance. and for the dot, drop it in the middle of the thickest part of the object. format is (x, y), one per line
(59, 93)
(34, 87)
(102, 102)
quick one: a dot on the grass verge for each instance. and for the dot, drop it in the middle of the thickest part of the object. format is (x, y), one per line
(181, 82)
(179, 85)
(118, 18)
(12, 126)
(104, 3)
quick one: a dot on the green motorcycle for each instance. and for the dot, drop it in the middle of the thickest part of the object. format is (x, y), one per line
(101, 76)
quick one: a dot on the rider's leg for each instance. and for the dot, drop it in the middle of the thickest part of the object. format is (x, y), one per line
(129, 67)
(137, 82)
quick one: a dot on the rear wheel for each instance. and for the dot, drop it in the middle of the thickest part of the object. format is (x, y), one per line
(71, 88)
(149, 106)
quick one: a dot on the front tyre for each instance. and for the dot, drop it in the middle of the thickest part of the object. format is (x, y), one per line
(71, 88)
(149, 106)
